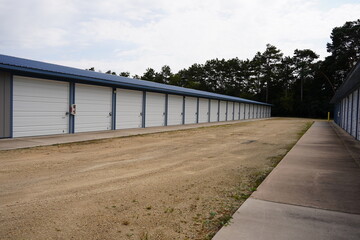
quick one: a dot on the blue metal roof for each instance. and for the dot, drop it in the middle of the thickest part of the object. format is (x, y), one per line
(26, 66)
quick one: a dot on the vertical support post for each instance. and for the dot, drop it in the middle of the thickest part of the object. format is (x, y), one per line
(357, 115)
(11, 127)
(71, 101)
(113, 110)
(351, 113)
(143, 110)
(166, 109)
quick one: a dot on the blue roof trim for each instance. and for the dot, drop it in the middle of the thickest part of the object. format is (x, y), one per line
(26, 66)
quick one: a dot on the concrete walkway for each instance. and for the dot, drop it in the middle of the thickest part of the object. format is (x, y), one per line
(26, 142)
(314, 193)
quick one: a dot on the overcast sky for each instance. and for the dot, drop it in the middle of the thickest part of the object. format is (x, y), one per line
(132, 35)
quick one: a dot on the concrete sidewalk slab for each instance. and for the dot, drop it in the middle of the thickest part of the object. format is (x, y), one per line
(314, 192)
(263, 220)
(27, 142)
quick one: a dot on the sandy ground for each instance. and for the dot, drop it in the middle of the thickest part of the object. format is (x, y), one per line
(174, 185)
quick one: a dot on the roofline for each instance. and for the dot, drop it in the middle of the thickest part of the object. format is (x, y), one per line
(101, 81)
(339, 94)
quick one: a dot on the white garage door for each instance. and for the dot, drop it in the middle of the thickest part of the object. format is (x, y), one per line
(354, 112)
(222, 112)
(230, 111)
(175, 110)
(155, 109)
(237, 111)
(343, 113)
(128, 108)
(203, 110)
(40, 107)
(214, 107)
(348, 128)
(251, 111)
(242, 111)
(190, 110)
(93, 108)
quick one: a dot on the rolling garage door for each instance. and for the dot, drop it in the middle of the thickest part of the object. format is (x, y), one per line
(175, 110)
(190, 110)
(242, 111)
(251, 111)
(237, 111)
(128, 108)
(354, 112)
(222, 112)
(155, 109)
(214, 108)
(349, 107)
(203, 110)
(93, 108)
(230, 111)
(40, 107)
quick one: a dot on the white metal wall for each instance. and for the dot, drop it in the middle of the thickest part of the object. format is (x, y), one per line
(190, 110)
(128, 108)
(155, 109)
(39, 107)
(214, 107)
(203, 110)
(222, 112)
(230, 111)
(175, 110)
(93, 108)
(237, 111)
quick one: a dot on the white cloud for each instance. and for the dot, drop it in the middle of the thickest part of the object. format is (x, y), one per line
(133, 35)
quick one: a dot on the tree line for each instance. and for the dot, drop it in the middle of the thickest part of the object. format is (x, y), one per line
(299, 86)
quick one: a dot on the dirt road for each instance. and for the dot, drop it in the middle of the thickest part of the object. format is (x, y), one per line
(174, 185)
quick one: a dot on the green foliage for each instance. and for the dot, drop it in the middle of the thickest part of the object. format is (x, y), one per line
(298, 85)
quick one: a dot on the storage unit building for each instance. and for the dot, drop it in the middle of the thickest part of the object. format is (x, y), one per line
(39, 98)
(347, 103)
